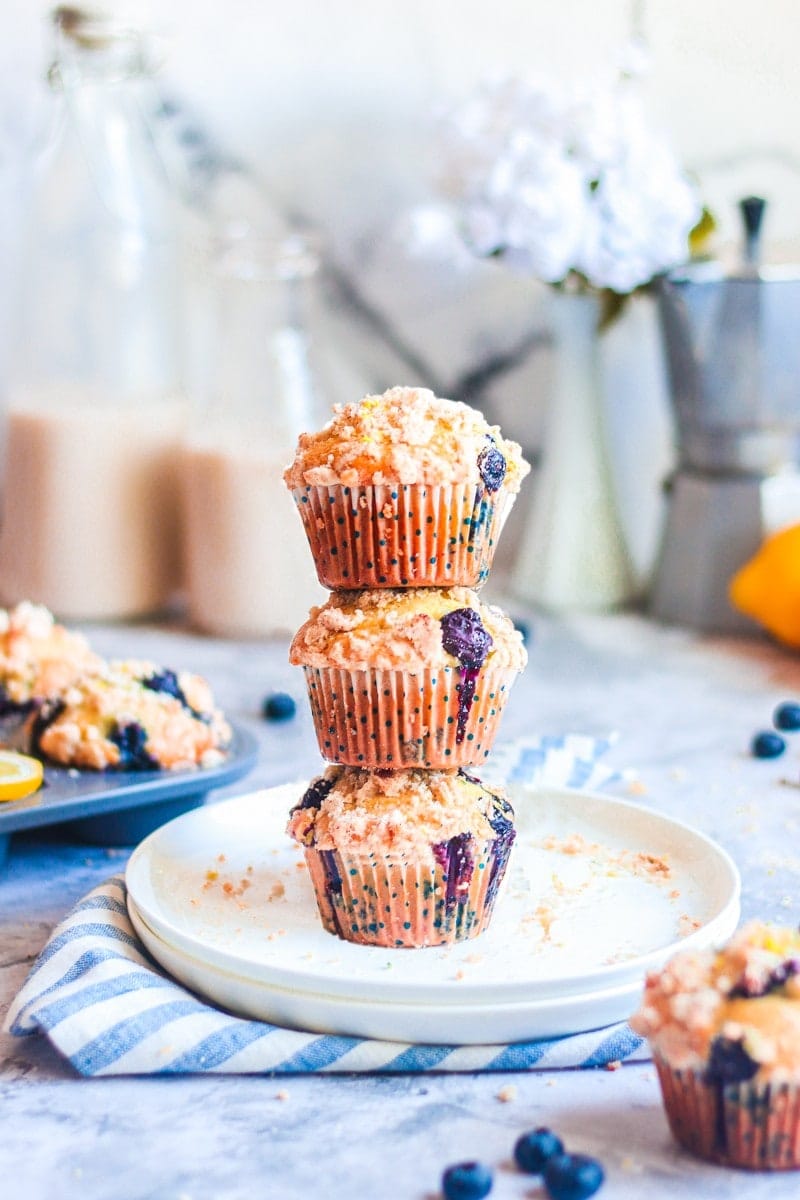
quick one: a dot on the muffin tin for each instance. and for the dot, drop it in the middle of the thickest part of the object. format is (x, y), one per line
(119, 809)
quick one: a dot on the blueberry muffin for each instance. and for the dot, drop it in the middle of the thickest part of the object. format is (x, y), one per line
(404, 490)
(403, 858)
(417, 677)
(724, 1027)
(38, 658)
(131, 716)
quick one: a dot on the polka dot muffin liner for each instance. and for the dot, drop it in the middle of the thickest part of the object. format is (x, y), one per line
(750, 1125)
(382, 718)
(385, 902)
(403, 535)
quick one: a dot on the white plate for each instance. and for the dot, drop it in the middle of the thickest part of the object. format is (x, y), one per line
(440, 1024)
(221, 897)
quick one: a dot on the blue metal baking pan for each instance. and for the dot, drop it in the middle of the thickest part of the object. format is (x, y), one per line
(107, 808)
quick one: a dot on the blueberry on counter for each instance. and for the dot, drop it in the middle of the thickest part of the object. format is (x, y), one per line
(466, 1181)
(533, 1150)
(787, 717)
(767, 745)
(572, 1177)
(278, 706)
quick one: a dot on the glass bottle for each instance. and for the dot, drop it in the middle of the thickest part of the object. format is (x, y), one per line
(261, 383)
(94, 414)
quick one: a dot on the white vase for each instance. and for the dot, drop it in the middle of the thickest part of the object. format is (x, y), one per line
(572, 553)
(639, 429)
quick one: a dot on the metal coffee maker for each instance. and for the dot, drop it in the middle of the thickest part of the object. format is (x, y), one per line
(733, 355)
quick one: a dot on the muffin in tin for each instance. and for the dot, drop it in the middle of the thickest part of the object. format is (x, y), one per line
(38, 658)
(131, 716)
(724, 1027)
(404, 489)
(417, 677)
(403, 858)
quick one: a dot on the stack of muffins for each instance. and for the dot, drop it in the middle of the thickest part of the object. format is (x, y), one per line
(403, 497)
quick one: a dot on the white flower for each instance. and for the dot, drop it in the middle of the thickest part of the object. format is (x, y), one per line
(559, 183)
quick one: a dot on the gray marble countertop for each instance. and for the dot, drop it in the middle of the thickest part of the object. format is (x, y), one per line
(685, 709)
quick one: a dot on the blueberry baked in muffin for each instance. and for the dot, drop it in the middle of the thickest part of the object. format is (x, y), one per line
(403, 858)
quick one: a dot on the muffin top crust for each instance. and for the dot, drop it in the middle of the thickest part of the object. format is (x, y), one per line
(131, 715)
(733, 1013)
(407, 629)
(407, 435)
(396, 812)
(38, 657)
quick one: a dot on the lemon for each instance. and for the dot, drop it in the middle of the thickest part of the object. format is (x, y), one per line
(767, 588)
(19, 775)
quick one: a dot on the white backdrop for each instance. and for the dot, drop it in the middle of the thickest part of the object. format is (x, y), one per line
(332, 99)
(332, 102)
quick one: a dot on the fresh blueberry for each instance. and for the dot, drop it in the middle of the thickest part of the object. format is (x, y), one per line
(466, 1181)
(787, 717)
(464, 636)
(767, 745)
(729, 1062)
(278, 706)
(572, 1177)
(534, 1149)
(492, 468)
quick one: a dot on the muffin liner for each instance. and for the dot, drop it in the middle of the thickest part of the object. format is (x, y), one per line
(403, 535)
(380, 718)
(392, 902)
(750, 1125)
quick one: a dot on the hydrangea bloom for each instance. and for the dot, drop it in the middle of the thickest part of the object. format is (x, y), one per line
(563, 182)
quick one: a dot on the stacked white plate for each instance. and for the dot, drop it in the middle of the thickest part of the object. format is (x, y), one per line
(598, 892)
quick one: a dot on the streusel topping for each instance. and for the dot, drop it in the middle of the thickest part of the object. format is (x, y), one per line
(407, 435)
(396, 630)
(733, 1013)
(392, 812)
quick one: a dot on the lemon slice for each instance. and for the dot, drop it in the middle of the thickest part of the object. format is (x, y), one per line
(19, 775)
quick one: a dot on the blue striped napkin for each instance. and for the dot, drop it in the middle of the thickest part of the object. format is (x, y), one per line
(107, 1007)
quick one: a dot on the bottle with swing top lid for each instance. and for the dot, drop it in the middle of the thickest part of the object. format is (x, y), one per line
(94, 408)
